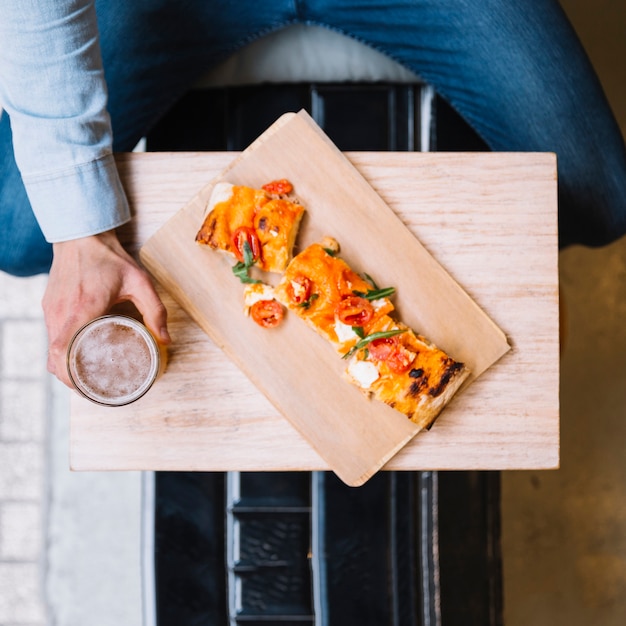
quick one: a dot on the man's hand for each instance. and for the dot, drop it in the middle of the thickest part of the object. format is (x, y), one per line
(88, 276)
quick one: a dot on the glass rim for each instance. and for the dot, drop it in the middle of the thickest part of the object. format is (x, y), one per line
(153, 347)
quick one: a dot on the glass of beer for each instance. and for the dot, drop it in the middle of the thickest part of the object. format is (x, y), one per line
(114, 360)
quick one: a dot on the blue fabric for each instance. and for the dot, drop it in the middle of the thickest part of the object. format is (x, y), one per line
(23, 249)
(518, 76)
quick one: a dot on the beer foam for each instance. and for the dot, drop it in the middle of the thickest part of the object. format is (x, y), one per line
(114, 360)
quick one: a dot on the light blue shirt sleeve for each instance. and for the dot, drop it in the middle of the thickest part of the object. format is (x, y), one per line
(52, 86)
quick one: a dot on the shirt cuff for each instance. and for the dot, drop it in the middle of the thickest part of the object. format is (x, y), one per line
(85, 200)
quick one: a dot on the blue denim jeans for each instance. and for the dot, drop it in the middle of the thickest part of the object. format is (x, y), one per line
(514, 71)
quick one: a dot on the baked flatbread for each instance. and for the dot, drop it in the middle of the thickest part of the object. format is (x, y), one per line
(266, 220)
(385, 358)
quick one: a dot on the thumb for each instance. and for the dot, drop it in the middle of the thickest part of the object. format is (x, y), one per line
(152, 309)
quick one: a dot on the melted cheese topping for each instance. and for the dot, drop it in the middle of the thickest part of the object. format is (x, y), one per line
(331, 279)
(275, 221)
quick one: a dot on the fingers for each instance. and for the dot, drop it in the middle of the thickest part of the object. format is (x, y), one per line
(68, 303)
(145, 298)
(59, 340)
(62, 322)
(88, 276)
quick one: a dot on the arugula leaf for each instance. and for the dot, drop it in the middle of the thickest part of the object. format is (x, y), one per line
(248, 258)
(358, 331)
(375, 294)
(307, 303)
(241, 269)
(383, 334)
(370, 280)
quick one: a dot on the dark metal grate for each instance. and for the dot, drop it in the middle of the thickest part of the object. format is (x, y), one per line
(406, 549)
(357, 117)
(268, 548)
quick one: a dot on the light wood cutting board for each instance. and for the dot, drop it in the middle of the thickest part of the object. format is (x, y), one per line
(293, 367)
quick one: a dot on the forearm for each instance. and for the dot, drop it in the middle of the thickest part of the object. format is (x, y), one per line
(52, 86)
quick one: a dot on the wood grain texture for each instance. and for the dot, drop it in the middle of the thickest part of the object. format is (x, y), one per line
(488, 219)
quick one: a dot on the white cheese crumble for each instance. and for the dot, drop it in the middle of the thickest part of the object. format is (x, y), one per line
(364, 373)
(220, 193)
(343, 331)
(299, 290)
(256, 292)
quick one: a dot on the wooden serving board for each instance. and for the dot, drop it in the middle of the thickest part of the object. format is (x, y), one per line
(489, 218)
(294, 368)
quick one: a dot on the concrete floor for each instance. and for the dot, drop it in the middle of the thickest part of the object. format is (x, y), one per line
(70, 543)
(564, 532)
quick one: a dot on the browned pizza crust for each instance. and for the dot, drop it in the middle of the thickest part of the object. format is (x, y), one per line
(415, 377)
(423, 390)
(274, 219)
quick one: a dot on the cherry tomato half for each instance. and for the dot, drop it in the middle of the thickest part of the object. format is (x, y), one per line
(243, 235)
(267, 313)
(299, 289)
(278, 187)
(391, 350)
(354, 311)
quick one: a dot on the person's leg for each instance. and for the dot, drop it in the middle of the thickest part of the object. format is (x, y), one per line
(519, 76)
(154, 50)
(23, 249)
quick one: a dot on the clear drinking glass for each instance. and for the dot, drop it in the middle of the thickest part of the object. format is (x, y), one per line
(114, 360)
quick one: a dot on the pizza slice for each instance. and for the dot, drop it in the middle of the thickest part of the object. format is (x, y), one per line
(403, 369)
(255, 226)
(385, 358)
(329, 296)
